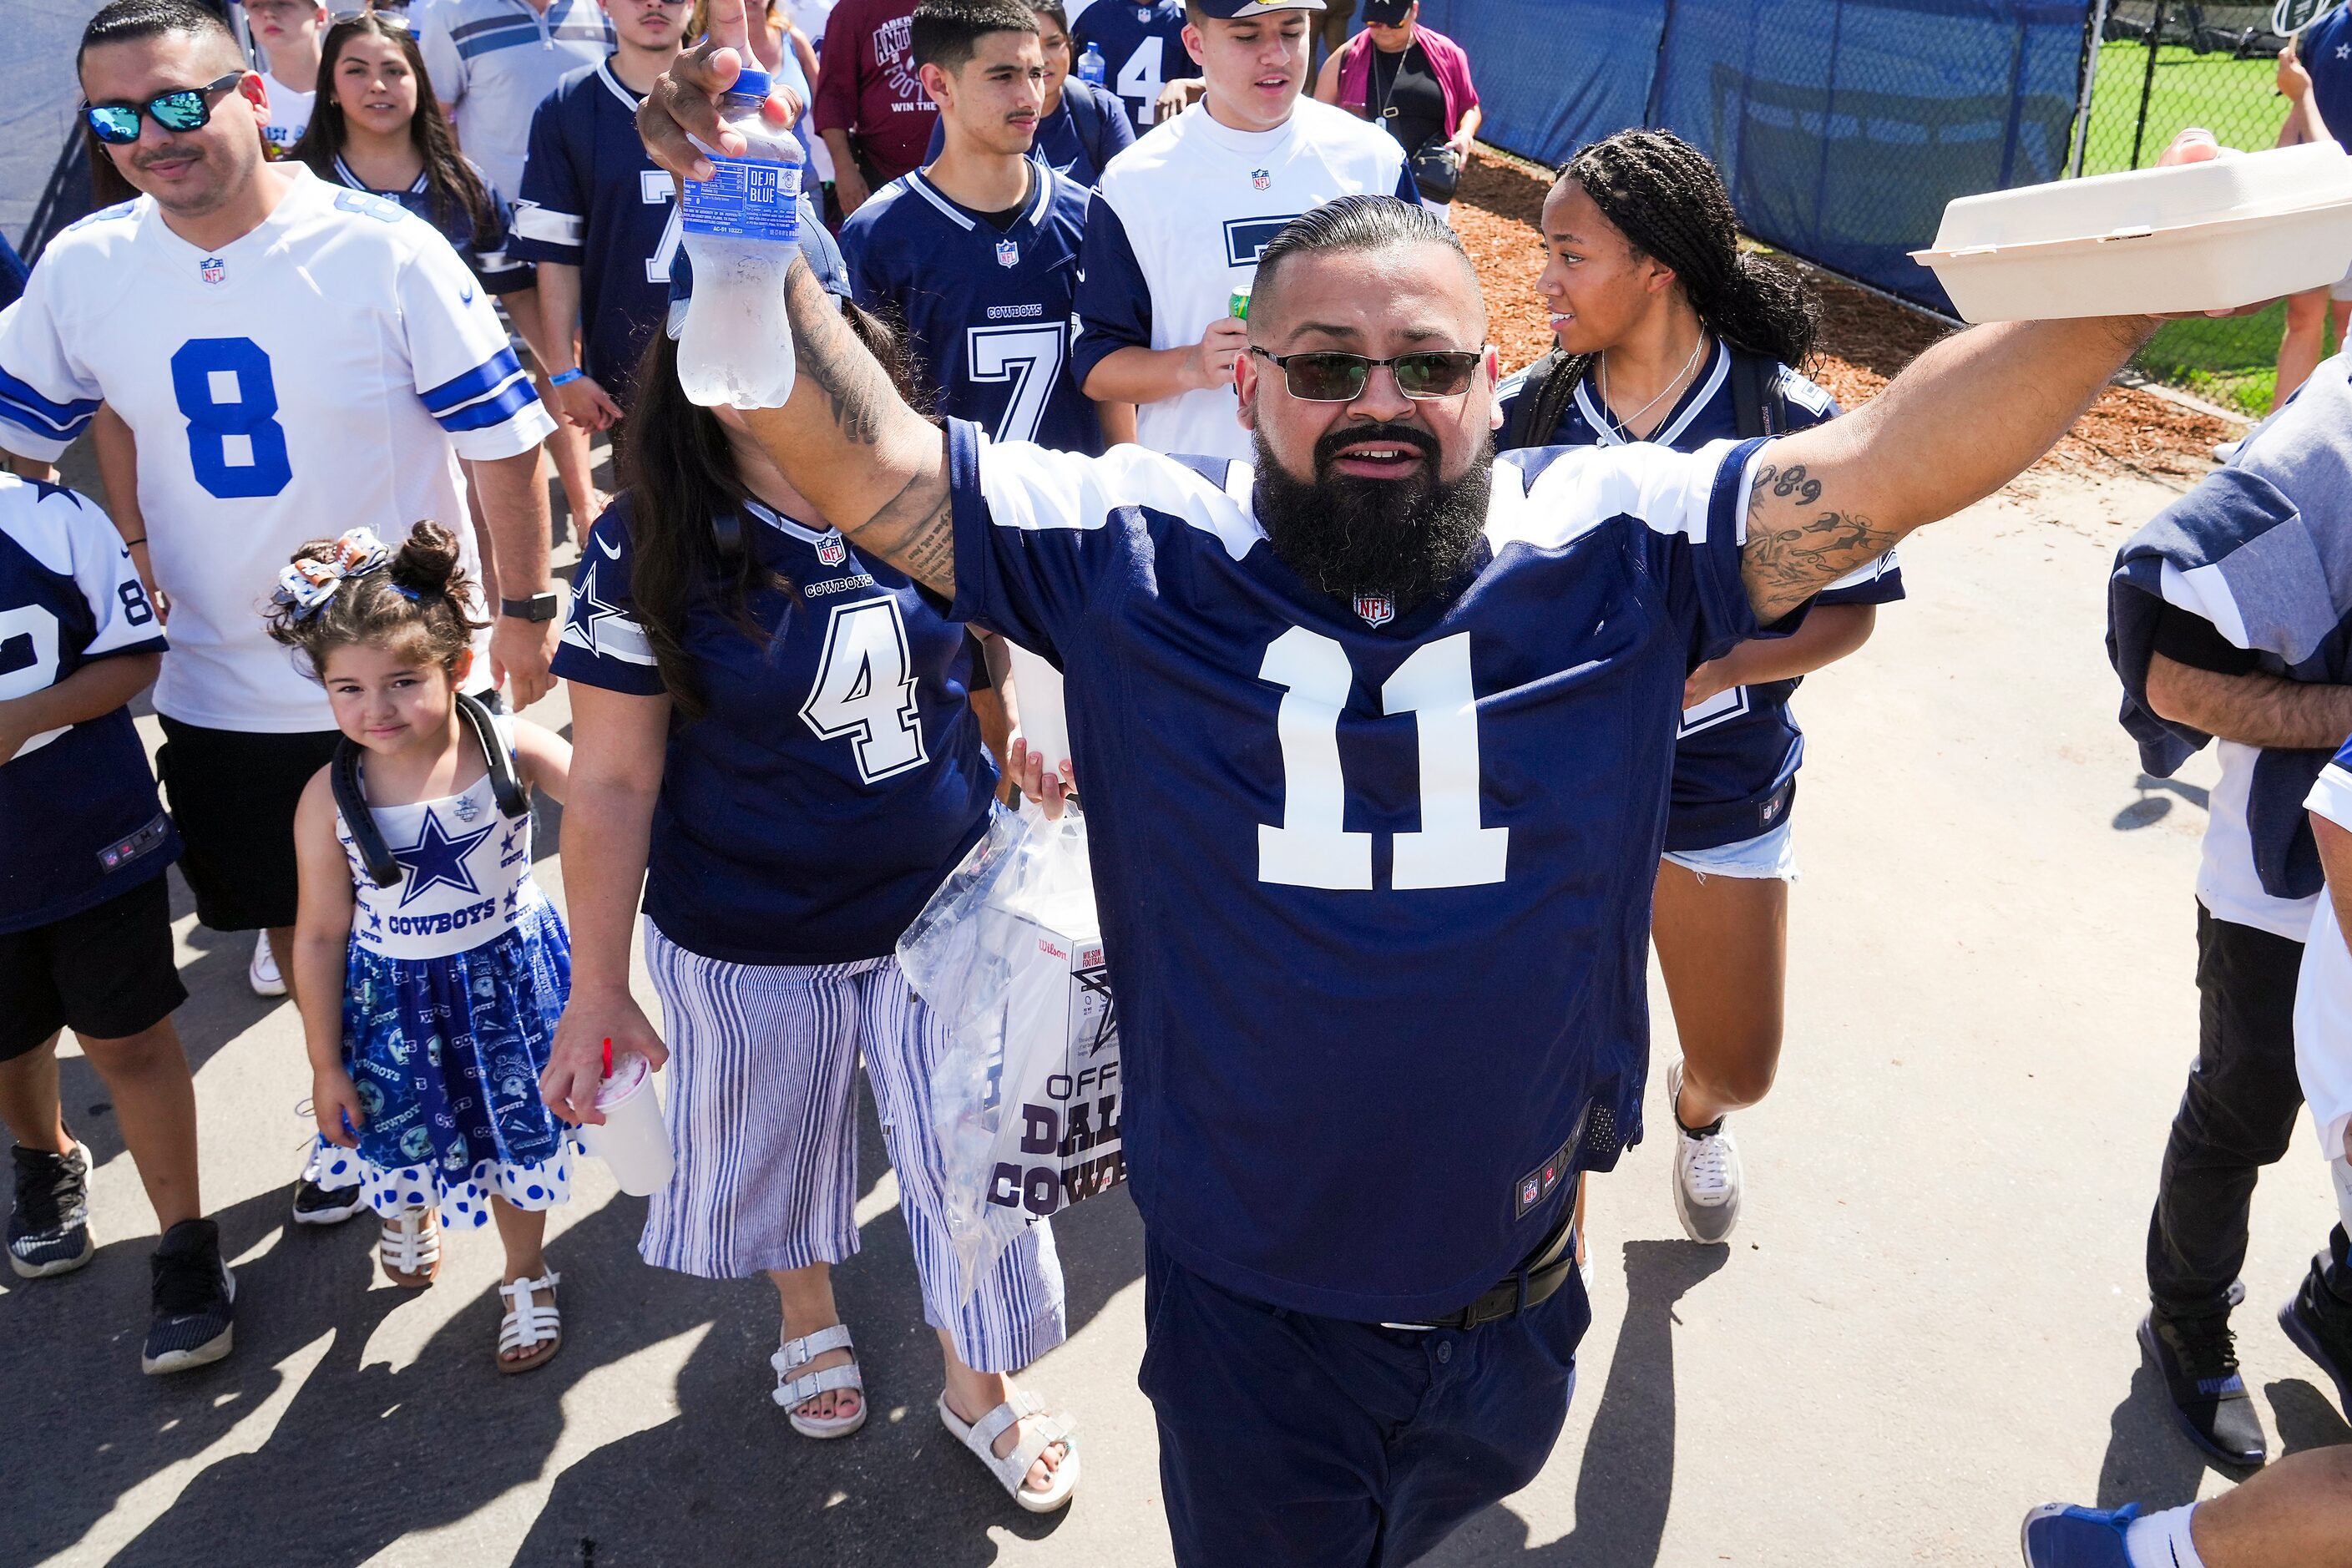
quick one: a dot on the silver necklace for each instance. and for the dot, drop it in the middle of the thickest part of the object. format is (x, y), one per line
(1625, 426)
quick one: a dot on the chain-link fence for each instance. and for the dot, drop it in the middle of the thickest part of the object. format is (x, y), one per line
(2162, 67)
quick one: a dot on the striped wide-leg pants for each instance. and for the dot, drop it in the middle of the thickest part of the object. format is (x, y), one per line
(763, 1116)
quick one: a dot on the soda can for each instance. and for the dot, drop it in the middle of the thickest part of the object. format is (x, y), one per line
(1238, 306)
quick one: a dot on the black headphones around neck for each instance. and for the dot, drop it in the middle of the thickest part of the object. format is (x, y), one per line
(506, 786)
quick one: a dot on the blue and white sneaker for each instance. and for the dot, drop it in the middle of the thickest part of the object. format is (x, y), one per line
(2057, 1535)
(49, 1229)
(194, 1297)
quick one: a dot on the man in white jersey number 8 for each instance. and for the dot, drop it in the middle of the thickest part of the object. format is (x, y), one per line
(293, 359)
(1376, 741)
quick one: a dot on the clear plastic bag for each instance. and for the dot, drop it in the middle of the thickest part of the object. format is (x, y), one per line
(1026, 1097)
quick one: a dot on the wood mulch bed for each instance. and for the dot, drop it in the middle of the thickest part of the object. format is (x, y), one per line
(1866, 339)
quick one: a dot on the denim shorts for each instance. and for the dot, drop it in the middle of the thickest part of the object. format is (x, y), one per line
(1769, 855)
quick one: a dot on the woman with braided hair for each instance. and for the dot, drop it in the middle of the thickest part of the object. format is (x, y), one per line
(1666, 332)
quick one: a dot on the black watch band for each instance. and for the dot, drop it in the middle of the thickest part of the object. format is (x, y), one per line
(537, 607)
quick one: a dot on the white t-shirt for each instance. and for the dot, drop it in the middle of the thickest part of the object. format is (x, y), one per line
(289, 115)
(2323, 995)
(1179, 221)
(2227, 883)
(322, 372)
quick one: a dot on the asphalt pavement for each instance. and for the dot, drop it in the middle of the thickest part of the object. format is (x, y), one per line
(1922, 1327)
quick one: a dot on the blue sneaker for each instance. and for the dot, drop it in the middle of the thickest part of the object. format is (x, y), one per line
(2057, 1535)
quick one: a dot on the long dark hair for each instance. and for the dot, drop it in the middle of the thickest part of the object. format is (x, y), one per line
(678, 468)
(1668, 199)
(450, 182)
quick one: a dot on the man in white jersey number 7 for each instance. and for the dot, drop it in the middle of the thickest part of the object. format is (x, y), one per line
(294, 359)
(1375, 739)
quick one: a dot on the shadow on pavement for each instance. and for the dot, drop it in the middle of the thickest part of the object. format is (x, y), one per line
(726, 1479)
(363, 1455)
(1627, 1478)
(2304, 1416)
(2149, 1459)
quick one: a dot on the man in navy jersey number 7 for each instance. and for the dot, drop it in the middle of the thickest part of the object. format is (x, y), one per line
(1375, 737)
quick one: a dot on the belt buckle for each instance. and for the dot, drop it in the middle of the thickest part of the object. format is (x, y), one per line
(1412, 1328)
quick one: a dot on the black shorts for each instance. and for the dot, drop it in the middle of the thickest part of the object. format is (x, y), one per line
(106, 973)
(233, 797)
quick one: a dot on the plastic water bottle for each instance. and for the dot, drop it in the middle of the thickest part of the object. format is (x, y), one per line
(741, 229)
(1092, 67)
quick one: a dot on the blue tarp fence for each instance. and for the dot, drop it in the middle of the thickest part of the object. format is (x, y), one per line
(1841, 126)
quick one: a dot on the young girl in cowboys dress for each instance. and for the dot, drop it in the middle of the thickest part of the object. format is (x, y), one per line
(430, 968)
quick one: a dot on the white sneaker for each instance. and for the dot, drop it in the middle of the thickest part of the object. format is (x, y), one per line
(262, 973)
(1706, 1171)
(2226, 451)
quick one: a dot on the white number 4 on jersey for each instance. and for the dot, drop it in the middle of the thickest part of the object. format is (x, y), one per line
(865, 690)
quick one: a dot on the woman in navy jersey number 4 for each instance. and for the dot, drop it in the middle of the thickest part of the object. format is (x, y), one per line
(1667, 333)
(777, 742)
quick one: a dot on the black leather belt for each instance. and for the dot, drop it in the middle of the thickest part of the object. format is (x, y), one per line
(1539, 1275)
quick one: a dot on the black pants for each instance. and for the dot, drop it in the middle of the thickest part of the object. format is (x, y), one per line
(2237, 1116)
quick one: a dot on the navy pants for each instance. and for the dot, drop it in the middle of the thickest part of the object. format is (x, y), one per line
(1293, 1439)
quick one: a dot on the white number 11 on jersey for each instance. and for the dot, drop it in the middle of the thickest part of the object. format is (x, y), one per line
(1311, 850)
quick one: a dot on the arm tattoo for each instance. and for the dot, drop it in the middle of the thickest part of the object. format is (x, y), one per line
(830, 355)
(1788, 559)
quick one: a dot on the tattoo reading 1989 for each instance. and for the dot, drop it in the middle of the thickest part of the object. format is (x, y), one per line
(1784, 565)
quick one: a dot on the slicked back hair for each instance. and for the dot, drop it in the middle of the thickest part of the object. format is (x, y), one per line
(127, 21)
(947, 33)
(1357, 223)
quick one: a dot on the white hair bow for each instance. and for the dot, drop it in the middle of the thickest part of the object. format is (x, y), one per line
(308, 585)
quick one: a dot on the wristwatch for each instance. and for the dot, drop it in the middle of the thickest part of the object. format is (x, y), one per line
(542, 606)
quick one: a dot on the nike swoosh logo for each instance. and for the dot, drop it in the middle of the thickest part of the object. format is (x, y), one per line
(612, 552)
(466, 295)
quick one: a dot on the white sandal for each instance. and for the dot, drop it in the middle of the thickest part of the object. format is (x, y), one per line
(411, 1247)
(794, 1392)
(1046, 1428)
(530, 1325)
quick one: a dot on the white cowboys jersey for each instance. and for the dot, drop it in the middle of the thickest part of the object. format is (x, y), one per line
(1179, 221)
(325, 372)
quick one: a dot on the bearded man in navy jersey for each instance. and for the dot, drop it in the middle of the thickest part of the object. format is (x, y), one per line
(1376, 737)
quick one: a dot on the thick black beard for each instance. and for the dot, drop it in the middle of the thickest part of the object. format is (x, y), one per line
(1345, 534)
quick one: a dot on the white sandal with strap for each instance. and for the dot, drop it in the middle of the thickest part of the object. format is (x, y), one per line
(1012, 1470)
(411, 1247)
(530, 1325)
(792, 1391)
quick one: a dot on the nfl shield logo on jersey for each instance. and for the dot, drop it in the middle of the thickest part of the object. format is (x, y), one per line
(1008, 254)
(214, 269)
(1378, 609)
(832, 550)
(1262, 179)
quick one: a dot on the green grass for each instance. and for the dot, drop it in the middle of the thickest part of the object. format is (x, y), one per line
(2235, 99)
(2233, 362)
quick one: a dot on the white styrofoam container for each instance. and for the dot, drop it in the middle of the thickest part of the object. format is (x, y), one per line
(2197, 237)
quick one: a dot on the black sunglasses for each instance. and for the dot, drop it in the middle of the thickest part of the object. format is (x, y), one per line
(182, 108)
(1323, 376)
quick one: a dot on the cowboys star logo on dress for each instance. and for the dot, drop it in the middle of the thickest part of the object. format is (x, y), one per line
(1008, 254)
(213, 270)
(1378, 609)
(832, 550)
(1262, 179)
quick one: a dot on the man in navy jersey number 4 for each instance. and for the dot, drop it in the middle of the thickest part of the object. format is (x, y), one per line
(1375, 737)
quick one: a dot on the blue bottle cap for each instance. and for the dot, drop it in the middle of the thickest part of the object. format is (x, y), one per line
(752, 84)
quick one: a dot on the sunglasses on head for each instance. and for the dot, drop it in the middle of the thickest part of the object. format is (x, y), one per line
(182, 108)
(1323, 376)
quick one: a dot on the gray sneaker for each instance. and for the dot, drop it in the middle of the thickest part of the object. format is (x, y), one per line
(1706, 1171)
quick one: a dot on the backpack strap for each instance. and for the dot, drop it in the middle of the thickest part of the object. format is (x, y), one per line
(1758, 405)
(1087, 117)
(1543, 398)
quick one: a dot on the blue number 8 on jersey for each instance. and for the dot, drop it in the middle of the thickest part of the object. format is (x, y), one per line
(235, 443)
